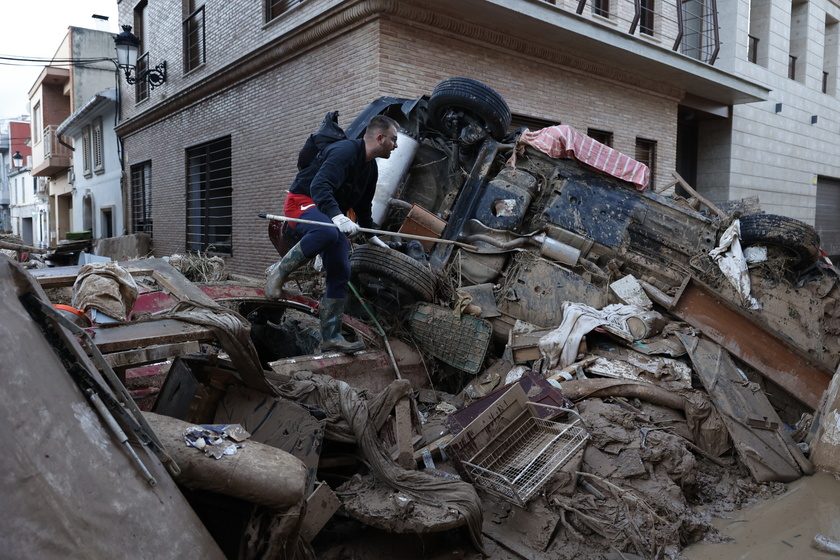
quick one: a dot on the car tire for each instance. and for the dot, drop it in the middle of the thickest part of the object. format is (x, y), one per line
(401, 269)
(478, 102)
(795, 236)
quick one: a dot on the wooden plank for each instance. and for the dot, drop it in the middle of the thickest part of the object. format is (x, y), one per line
(130, 336)
(748, 338)
(760, 438)
(697, 195)
(65, 276)
(151, 354)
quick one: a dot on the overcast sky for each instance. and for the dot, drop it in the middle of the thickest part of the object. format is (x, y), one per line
(35, 28)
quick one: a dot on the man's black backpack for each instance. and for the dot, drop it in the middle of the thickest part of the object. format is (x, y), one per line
(328, 133)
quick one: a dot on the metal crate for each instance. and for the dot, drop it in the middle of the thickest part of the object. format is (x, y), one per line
(522, 458)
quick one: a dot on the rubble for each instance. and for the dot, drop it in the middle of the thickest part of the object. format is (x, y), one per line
(585, 382)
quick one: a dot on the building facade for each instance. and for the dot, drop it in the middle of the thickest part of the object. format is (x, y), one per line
(26, 195)
(95, 174)
(247, 82)
(82, 66)
(786, 149)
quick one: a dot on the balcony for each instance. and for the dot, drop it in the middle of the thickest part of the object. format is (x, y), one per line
(56, 156)
(689, 27)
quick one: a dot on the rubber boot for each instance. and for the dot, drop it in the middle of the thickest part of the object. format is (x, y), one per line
(282, 269)
(332, 340)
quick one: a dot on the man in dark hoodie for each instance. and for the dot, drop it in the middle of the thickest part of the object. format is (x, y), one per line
(342, 177)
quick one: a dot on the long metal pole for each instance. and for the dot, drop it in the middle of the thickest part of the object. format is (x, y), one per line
(373, 231)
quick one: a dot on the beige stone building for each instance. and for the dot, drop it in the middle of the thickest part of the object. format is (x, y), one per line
(246, 82)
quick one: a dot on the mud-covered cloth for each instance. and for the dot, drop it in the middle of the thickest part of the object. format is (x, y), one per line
(559, 348)
(106, 287)
(232, 331)
(353, 416)
(730, 258)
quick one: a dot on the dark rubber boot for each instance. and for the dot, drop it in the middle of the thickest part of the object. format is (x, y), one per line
(332, 341)
(282, 269)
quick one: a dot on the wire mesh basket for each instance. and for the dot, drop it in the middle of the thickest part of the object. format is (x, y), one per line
(529, 451)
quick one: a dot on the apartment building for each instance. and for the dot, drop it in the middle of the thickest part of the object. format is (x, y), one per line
(22, 197)
(81, 67)
(785, 149)
(246, 82)
(96, 172)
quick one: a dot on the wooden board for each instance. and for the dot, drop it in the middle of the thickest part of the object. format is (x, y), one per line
(760, 437)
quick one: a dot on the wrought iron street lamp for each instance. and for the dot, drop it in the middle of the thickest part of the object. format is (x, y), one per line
(17, 160)
(128, 45)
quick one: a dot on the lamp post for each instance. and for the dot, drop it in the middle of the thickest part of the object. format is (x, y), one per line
(128, 46)
(17, 160)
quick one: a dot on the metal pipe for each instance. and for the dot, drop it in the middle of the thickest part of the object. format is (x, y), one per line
(370, 230)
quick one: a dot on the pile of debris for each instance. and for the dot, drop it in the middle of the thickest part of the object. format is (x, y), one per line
(593, 370)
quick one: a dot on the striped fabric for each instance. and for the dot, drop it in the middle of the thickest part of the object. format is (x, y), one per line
(565, 142)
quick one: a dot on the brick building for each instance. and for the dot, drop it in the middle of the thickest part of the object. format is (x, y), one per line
(247, 82)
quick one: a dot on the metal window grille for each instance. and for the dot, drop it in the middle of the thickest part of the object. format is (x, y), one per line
(601, 8)
(96, 140)
(141, 198)
(194, 52)
(646, 153)
(752, 49)
(275, 8)
(531, 123)
(141, 87)
(602, 136)
(210, 197)
(86, 149)
(647, 15)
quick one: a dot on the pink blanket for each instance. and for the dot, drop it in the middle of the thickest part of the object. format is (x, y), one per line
(563, 141)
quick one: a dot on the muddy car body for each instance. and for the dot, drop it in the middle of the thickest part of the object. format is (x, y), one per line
(461, 173)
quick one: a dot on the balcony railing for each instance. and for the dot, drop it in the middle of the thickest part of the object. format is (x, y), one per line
(689, 27)
(52, 147)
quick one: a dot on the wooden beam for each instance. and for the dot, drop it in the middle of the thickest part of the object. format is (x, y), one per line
(151, 354)
(131, 336)
(746, 336)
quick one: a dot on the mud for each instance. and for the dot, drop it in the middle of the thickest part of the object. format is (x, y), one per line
(637, 489)
(781, 528)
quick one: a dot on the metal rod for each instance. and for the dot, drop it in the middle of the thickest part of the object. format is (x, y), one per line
(373, 231)
(120, 435)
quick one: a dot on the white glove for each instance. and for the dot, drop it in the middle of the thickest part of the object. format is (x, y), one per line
(376, 241)
(346, 225)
